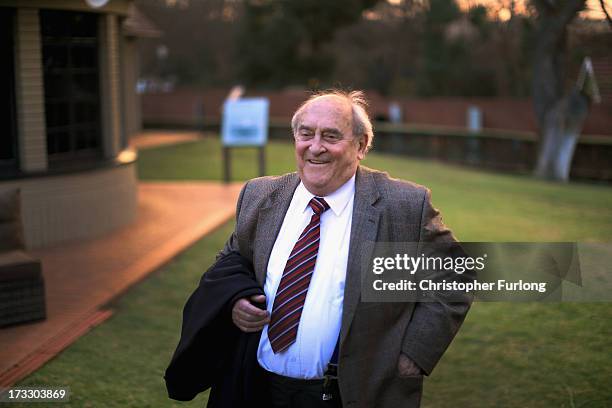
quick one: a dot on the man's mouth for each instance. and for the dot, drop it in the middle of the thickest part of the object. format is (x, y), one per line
(314, 161)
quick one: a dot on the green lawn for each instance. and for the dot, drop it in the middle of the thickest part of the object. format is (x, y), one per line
(507, 354)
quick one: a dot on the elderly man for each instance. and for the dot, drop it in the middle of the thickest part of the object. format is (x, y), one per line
(305, 234)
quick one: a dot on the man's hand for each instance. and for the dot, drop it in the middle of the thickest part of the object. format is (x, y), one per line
(248, 317)
(406, 367)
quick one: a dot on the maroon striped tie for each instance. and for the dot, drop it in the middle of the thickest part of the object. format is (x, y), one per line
(293, 287)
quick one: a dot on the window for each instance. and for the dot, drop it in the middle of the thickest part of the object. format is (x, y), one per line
(71, 77)
(8, 137)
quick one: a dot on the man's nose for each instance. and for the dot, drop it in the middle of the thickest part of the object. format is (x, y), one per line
(316, 145)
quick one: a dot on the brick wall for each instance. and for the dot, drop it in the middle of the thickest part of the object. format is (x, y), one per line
(511, 114)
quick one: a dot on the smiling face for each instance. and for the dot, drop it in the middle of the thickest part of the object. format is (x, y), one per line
(326, 151)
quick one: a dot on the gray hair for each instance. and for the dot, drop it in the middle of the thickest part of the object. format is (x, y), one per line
(362, 126)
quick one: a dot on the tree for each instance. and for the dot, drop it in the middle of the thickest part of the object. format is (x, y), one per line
(199, 36)
(438, 53)
(285, 42)
(560, 115)
(456, 51)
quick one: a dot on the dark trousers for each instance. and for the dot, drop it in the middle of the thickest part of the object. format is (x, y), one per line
(285, 392)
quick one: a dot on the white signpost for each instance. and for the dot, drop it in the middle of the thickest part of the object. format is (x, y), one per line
(245, 124)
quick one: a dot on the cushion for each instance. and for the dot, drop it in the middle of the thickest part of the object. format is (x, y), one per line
(15, 265)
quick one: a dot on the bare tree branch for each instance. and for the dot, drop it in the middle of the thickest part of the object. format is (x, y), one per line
(570, 10)
(557, 14)
(603, 8)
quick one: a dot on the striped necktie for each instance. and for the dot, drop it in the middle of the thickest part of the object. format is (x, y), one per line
(293, 287)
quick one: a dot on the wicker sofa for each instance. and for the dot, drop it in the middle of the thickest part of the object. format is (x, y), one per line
(22, 288)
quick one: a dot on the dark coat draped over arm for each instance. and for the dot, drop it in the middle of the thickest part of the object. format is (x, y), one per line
(212, 351)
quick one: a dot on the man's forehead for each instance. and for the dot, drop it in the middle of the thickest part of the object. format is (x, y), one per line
(330, 107)
(331, 100)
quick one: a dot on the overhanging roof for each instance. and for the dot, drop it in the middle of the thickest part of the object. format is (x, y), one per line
(138, 25)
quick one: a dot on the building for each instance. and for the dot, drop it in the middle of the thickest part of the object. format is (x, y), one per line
(68, 106)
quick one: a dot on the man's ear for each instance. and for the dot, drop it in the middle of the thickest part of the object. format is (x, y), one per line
(363, 147)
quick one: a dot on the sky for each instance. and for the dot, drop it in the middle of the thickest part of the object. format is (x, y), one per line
(501, 8)
(593, 8)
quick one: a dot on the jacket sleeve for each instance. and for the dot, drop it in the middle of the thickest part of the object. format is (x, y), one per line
(435, 323)
(231, 245)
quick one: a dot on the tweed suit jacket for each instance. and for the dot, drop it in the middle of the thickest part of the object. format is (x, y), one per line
(372, 335)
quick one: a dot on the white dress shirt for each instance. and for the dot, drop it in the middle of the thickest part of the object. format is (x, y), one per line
(319, 326)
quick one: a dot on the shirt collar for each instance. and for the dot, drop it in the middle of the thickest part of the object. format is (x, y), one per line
(337, 200)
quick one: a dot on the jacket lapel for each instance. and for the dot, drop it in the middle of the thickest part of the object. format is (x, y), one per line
(364, 229)
(269, 222)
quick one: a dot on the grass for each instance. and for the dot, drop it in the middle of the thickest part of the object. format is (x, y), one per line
(202, 161)
(506, 355)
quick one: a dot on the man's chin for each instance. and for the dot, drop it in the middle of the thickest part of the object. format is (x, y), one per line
(316, 187)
